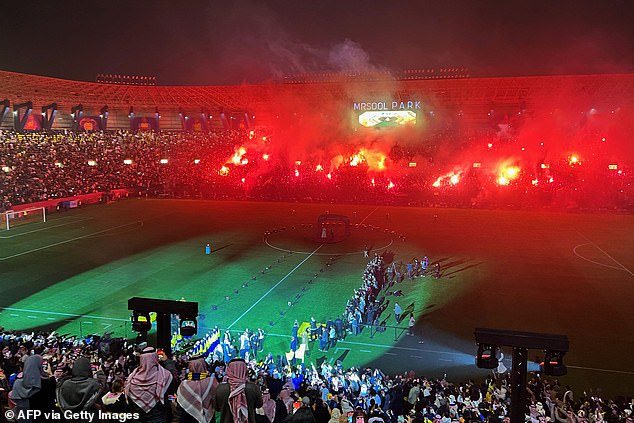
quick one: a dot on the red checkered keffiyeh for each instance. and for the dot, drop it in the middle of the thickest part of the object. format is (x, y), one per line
(148, 383)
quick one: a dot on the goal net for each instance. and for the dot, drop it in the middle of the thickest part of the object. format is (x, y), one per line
(23, 217)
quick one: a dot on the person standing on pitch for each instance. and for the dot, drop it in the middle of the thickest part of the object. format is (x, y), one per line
(410, 325)
(397, 312)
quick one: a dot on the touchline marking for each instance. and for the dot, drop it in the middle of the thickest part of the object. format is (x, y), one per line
(604, 252)
(273, 287)
(68, 240)
(395, 347)
(63, 314)
(624, 372)
(48, 227)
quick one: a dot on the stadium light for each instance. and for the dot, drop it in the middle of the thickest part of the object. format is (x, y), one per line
(141, 321)
(486, 358)
(164, 161)
(188, 326)
(613, 166)
(554, 363)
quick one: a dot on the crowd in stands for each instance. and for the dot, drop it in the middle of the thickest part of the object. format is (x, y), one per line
(53, 373)
(37, 166)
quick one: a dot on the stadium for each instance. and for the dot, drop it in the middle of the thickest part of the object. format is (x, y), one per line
(333, 227)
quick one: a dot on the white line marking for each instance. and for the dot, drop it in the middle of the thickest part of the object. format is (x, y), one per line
(63, 314)
(334, 253)
(605, 252)
(444, 359)
(395, 347)
(273, 287)
(365, 351)
(68, 240)
(574, 250)
(416, 356)
(370, 214)
(14, 315)
(624, 372)
(47, 228)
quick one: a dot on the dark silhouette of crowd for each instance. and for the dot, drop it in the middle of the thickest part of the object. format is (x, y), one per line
(76, 376)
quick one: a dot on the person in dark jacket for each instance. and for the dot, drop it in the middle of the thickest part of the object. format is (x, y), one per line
(237, 399)
(81, 391)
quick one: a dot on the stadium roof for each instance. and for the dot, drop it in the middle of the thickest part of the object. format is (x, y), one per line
(604, 90)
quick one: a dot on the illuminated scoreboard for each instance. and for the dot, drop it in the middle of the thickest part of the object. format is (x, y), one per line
(383, 114)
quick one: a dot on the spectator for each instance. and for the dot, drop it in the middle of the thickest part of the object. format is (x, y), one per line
(81, 391)
(237, 399)
(146, 388)
(195, 393)
(34, 389)
(115, 401)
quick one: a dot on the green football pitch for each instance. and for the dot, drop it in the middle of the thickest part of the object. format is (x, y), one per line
(569, 274)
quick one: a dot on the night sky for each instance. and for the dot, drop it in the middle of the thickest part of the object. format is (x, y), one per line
(196, 42)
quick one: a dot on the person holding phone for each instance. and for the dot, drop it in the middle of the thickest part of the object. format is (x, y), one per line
(35, 389)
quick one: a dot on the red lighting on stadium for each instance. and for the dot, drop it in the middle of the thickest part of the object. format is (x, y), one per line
(390, 185)
(573, 159)
(507, 174)
(224, 171)
(319, 168)
(613, 166)
(451, 178)
(296, 173)
(196, 161)
(265, 156)
(357, 159)
(238, 156)
(127, 161)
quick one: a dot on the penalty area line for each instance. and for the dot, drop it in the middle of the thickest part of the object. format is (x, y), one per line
(274, 286)
(69, 240)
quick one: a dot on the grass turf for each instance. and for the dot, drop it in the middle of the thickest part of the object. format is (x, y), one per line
(536, 271)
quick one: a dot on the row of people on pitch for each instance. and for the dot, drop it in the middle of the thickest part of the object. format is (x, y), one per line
(249, 344)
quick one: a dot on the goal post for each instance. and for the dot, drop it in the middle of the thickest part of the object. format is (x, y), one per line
(13, 218)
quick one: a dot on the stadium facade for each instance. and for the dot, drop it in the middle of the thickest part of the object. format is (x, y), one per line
(473, 99)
